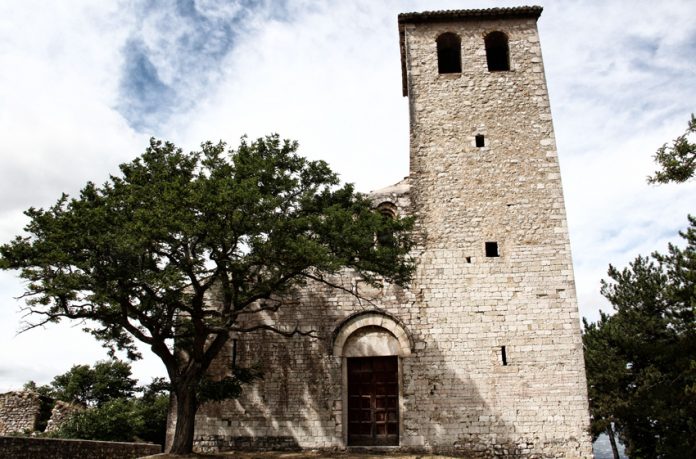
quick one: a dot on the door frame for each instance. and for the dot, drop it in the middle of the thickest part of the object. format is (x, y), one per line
(400, 401)
(391, 328)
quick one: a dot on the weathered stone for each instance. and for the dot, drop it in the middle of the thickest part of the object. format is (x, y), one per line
(60, 413)
(19, 412)
(487, 335)
(53, 448)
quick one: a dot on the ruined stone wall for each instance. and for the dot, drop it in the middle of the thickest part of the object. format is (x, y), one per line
(60, 413)
(19, 412)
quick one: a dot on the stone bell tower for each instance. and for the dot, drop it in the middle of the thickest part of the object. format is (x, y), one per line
(495, 278)
(481, 355)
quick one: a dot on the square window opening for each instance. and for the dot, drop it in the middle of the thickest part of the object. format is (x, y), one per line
(492, 249)
(480, 141)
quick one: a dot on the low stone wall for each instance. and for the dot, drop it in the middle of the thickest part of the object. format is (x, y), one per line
(50, 448)
(19, 412)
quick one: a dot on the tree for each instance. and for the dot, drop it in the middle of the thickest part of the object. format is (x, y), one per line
(105, 381)
(124, 418)
(607, 377)
(678, 161)
(153, 407)
(113, 412)
(648, 373)
(116, 420)
(141, 256)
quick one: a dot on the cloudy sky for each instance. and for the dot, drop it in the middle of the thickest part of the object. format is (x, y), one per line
(84, 84)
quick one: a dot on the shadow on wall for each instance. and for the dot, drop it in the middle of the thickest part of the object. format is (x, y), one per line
(301, 403)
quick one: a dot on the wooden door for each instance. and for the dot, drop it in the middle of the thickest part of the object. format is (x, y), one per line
(373, 401)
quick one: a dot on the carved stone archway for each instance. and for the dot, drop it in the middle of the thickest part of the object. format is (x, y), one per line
(375, 320)
(371, 345)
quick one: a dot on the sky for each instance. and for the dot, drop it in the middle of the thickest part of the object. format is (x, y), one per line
(85, 84)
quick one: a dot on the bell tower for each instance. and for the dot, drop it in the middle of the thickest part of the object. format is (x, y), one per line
(495, 278)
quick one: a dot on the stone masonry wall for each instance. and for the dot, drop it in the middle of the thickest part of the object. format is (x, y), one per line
(51, 448)
(455, 393)
(19, 412)
(508, 191)
(298, 404)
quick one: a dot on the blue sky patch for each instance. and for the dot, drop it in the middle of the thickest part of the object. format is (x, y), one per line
(171, 74)
(144, 97)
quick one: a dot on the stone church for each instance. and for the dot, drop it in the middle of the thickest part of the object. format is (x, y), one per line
(482, 355)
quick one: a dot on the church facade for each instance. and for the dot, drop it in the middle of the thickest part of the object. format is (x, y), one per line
(482, 355)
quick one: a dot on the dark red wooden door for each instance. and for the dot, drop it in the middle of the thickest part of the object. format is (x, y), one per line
(373, 401)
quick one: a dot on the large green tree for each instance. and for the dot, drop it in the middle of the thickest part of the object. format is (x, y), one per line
(141, 256)
(641, 361)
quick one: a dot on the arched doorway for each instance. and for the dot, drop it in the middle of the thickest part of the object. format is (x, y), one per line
(371, 346)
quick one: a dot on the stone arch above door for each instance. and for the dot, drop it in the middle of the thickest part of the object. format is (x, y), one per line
(372, 333)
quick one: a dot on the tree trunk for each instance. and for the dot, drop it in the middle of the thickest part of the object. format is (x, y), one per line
(612, 441)
(186, 406)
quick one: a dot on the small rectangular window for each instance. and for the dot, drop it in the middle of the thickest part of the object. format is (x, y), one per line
(503, 355)
(492, 249)
(479, 141)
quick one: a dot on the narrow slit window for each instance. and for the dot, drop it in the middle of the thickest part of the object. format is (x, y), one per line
(449, 53)
(497, 52)
(234, 353)
(479, 141)
(492, 249)
(503, 355)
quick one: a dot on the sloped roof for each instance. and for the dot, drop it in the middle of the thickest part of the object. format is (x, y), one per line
(462, 15)
(399, 188)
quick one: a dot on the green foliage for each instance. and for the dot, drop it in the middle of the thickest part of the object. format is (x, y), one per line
(153, 406)
(641, 361)
(607, 373)
(115, 420)
(44, 390)
(228, 387)
(140, 257)
(120, 419)
(677, 161)
(105, 381)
